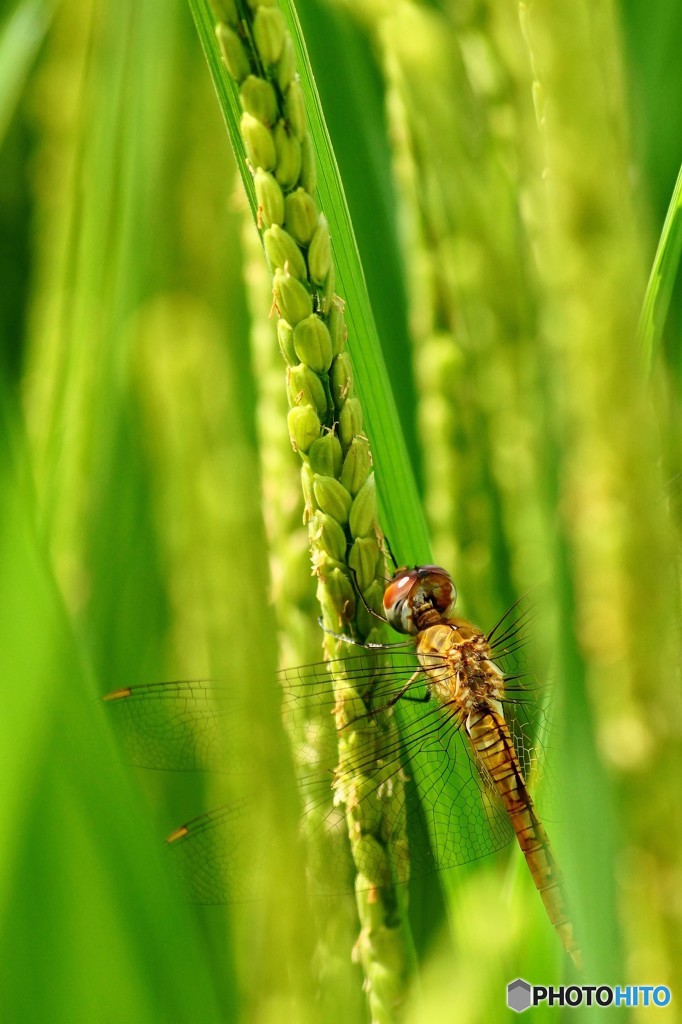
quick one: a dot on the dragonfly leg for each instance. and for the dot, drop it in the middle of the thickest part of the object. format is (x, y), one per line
(381, 618)
(403, 690)
(344, 638)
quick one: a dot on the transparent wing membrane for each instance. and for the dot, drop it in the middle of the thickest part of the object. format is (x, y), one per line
(451, 811)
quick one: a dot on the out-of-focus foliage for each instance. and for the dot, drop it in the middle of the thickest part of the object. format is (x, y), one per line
(507, 173)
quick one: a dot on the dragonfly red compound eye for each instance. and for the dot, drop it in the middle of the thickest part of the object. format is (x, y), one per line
(418, 597)
(397, 604)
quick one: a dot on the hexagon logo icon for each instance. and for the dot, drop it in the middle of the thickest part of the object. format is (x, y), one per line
(518, 995)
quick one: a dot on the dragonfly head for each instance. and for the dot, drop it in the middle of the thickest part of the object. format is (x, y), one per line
(419, 597)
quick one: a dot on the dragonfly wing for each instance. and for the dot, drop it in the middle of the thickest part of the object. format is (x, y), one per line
(218, 858)
(527, 707)
(214, 859)
(450, 815)
(449, 812)
(173, 726)
(453, 813)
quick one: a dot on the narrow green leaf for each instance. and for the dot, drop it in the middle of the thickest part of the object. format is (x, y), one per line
(663, 275)
(89, 915)
(353, 94)
(20, 37)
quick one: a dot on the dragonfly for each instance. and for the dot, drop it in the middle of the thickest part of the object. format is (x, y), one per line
(465, 747)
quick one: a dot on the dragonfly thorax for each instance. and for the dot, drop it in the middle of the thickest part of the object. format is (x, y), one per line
(418, 598)
(456, 658)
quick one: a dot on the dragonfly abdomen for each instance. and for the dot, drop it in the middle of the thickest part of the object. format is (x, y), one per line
(493, 744)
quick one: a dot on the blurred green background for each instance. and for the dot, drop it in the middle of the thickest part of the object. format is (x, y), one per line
(508, 171)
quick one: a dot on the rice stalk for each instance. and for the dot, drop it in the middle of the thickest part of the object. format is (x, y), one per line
(326, 430)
